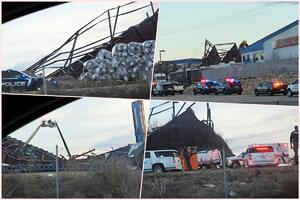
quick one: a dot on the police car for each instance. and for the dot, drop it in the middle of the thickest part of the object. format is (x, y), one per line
(205, 87)
(13, 80)
(229, 86)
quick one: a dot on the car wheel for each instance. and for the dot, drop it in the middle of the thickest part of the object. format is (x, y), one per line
(290, 94)
(157, 169)
(240, 93)
(195, 93)
(285, 93)
(269, 92)
(256, 93)
(236, 165)
(203, 167)
(216, 93)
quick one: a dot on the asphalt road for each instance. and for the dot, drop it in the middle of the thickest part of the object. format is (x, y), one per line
(234, 98)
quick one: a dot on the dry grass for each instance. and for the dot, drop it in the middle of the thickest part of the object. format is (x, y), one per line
(266, 182)
(112, 180)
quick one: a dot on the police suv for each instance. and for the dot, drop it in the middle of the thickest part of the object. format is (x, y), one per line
(13, 80)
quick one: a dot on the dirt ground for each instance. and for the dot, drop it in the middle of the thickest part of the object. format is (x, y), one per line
(263, 182)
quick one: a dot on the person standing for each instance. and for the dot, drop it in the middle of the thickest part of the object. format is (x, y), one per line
(294, 143)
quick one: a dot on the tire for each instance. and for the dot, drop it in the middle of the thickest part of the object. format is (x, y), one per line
(216, 93)
(269, 92)
(236, 165)
(240, 93)
(204, 167)
(256, 93)
(181, 92)
(289, 93)
(285, 93)
(157, 169)
(195, 92)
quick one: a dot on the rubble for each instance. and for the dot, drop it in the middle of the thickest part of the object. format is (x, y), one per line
(186, 130)
(132, 61)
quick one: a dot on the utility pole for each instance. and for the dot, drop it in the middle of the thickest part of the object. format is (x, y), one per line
(57, 170)
(161, 72)
(225, 176)
(44, 82)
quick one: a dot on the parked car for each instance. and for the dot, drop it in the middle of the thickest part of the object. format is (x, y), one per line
(266, 154)
(204, 87)
(208, 159)
(179, 88)
(271, 87)
(20, 81)
(159, 161)
(293, 88)
(236, 161)
(229, 86)
(166, 89)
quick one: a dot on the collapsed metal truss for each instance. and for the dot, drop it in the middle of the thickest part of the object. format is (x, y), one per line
(223, 52)
(73, 59)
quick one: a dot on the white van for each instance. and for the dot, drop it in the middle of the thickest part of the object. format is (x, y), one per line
(159, 161)
(266, 154)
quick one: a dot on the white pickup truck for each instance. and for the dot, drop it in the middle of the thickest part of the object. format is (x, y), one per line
(178, 87)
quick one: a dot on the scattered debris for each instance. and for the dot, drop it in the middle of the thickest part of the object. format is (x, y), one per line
(209, 185)
(232, 193)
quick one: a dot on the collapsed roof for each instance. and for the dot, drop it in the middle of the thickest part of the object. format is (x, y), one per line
(73, 64)
(184, 131)
(224, 52)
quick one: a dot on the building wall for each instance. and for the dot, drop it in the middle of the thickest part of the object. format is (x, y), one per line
(273, 53)
(242, 70)
(249, 57)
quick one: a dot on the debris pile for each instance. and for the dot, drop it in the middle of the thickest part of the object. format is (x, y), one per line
(132, 61)
(184, 131)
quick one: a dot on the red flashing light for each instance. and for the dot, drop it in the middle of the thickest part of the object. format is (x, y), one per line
(203, 81)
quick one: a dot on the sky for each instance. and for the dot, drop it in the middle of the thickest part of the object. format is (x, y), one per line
(184, 26)
(87, 123)
(241, 124)
(28, 39)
